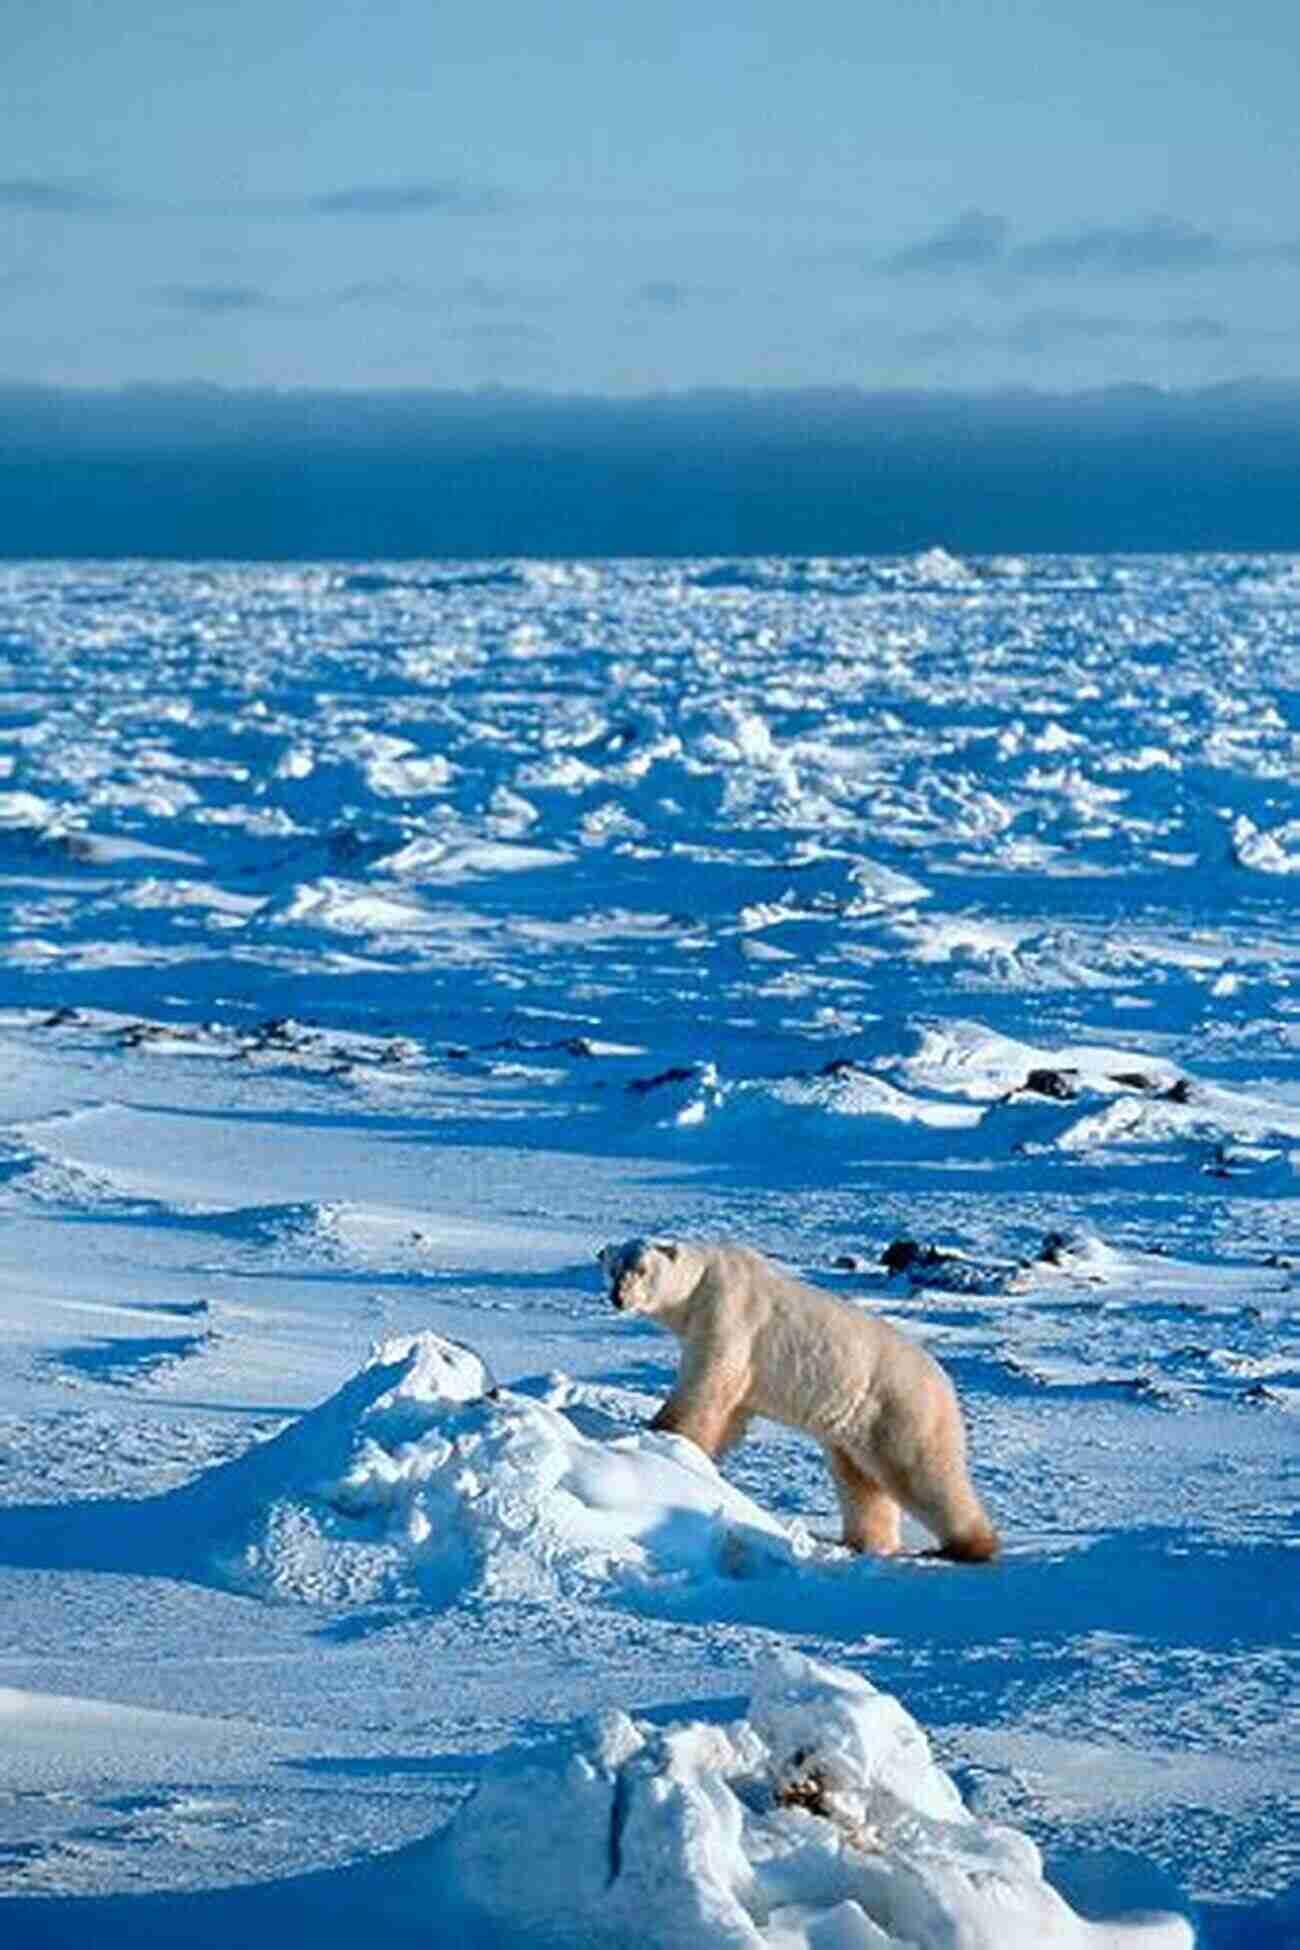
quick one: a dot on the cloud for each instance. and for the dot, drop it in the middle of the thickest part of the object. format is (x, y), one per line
(489, 306)
(230, 300)
(215, 300)
(400, 293)
(496, 294)
(1199, 331)
(408, 199)
(47, 196)
(1035, 331)
(474, 295)
(662, 294)
(973, 241)
(1056, 328)
(57, 197)
(497, 332)
(978, 241)
(1133, 250)
(485, 294)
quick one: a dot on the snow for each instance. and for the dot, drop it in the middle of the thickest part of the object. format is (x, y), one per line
(375, 941)
(1277, 851)
(51, 1744)
(817, 1821)
(420, 1478)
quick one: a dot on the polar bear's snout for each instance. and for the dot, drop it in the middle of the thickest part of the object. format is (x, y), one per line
(628, 1269)
(613, 1263)
(620, 1270)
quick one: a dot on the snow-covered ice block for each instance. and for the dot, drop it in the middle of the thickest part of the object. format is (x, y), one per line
(818, 1822)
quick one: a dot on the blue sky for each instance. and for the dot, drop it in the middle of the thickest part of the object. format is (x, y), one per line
(580, 197)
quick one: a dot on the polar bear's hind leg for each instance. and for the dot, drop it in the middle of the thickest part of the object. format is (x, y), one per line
(871, 1515)
(937, 1492)
(917, 1449)
(955, 1515)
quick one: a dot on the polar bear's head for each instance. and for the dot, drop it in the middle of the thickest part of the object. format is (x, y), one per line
(646, 1276)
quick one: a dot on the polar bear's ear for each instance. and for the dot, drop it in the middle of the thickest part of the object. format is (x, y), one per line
(669, 1248)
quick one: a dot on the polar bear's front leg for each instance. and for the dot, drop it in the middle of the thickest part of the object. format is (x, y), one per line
(708, 1431)
(708, 1403)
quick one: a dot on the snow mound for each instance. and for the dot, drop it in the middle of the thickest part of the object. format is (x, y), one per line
(349, 907)
(1104, 1099)
(1081, 1256)
(841, 1102)
(879, 888)
(421, 1480)
(844, 1090)
(818, 1822)
(1203, 1115)
(966, 1059)
(31, 1172)
(332, 1231)
(936, 565)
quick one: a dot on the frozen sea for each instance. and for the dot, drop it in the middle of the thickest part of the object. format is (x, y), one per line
(376, 941)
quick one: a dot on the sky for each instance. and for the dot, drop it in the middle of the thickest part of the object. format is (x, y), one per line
(581, 198)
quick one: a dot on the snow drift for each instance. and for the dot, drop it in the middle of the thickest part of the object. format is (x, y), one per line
(818, 1822)
(421, 1479)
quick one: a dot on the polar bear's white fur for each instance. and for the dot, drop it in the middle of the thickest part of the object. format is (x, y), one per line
(756, 1342)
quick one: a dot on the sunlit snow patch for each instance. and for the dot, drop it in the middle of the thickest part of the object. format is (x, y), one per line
(29, 822)
(420, 1479)
(966, 1059)
(1126, 1102)
(447, 860)
(840, 1105)
(818, 1822)
(1266, 851)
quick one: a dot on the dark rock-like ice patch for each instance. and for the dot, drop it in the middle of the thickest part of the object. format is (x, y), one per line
(947, 1270)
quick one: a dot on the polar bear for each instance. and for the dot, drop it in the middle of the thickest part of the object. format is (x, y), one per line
(756, 1342)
